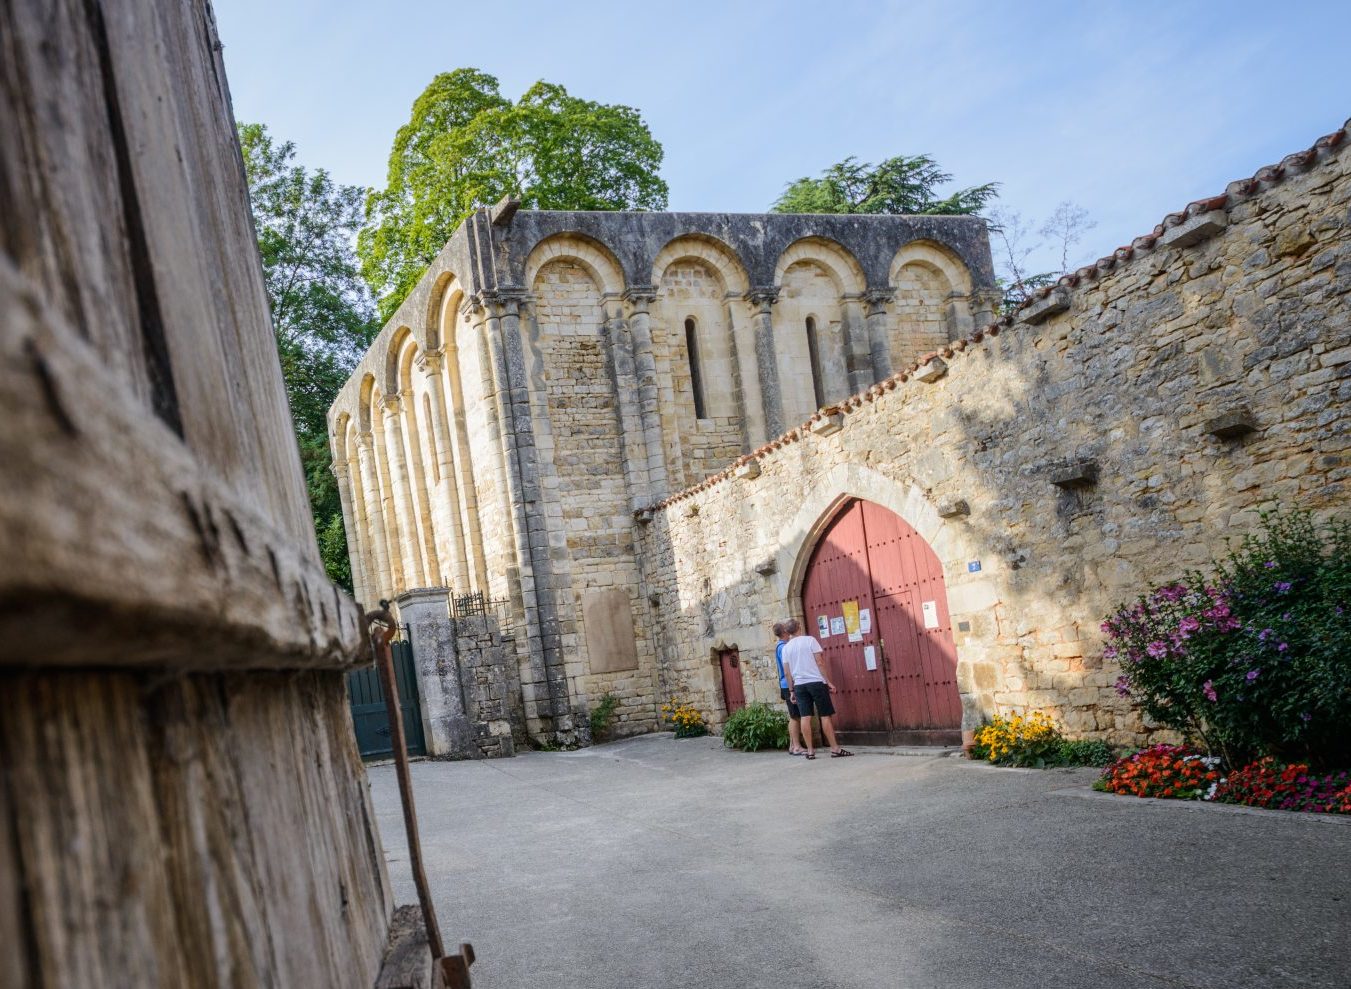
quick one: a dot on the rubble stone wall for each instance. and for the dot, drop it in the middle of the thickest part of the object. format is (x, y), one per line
(1237, 308)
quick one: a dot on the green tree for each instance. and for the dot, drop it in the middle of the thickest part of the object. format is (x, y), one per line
(466, 146)
(321, 312)
(903, 184)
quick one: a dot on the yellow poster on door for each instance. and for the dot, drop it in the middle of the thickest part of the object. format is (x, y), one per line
(850, 609)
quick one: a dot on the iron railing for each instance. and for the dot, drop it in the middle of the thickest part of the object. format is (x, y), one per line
(478, 603)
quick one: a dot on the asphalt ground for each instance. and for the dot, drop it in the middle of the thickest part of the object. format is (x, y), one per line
(660, 863)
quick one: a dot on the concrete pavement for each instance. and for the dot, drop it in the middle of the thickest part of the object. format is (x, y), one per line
(660, 863)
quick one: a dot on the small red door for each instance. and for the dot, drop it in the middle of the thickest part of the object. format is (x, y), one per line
(869, 559)
(733, 693)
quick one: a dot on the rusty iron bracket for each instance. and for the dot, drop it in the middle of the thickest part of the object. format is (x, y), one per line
(453, 969)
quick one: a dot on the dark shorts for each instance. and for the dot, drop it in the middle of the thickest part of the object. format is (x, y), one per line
(792, 708)
(813, 698)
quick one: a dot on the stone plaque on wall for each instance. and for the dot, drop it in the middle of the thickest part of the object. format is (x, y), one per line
(607, 616)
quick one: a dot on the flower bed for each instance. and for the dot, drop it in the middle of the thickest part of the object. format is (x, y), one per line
(1170, 771)
(1251, 664)
(1034, 741)
(1267, 783)
(1254, 659)
(1179, 773)
(685, 719)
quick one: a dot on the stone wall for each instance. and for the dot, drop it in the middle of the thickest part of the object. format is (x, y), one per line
(468, 679)
(537, 389)
(1127, 371)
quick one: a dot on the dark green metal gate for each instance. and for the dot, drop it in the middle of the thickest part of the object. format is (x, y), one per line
(369, 716)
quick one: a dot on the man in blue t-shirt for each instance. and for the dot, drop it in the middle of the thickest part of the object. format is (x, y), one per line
(794, 719)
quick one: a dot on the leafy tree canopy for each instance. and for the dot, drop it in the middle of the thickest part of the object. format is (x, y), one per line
(903, 184)
(321, 312)
(466, 146)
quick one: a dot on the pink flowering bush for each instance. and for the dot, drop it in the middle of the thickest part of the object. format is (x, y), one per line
(1254, 660)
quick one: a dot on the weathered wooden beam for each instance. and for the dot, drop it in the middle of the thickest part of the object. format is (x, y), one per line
(408, 958)
(120, 546)
(210, 830)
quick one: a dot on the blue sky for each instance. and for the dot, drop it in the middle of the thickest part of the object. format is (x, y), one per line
(1129, 110)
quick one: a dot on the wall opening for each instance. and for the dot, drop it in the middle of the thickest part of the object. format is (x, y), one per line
(873, 594)
(814, 356)
(696, 377)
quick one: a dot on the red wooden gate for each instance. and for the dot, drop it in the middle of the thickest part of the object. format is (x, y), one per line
(874, 580)
(733, 692)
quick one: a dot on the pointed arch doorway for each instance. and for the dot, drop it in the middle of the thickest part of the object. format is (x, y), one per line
(873, 594)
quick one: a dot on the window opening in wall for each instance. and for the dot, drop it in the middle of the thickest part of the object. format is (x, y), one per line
(814, 355)
(696, 377)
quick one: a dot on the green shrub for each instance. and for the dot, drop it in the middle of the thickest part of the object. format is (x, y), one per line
(601, 716)
(755, 727)
(1083, 752)
(1256, 659)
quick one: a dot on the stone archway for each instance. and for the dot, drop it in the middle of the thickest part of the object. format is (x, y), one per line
(873, 594)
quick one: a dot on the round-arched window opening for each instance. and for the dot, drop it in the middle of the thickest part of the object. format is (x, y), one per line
(696, 375)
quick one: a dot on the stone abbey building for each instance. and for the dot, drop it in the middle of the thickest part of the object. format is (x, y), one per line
(655, 434)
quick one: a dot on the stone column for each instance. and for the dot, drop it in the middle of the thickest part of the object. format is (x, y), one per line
(762, 299)
(985, 306)
(446, 722)
(520, 574)
(624, 381)
(533, 553)
(381, 582)
(401, 494)
(640, 299)
(958, 316)
(464, 465)
(425, 527)
(878, 342)
(342, 475)
(448, 488)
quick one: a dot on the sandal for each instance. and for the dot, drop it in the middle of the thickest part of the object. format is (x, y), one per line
(811, 755)
(840, 754)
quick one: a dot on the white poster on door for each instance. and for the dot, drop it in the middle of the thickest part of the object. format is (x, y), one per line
(823, 626)
(837, 625)
(930, 614)
(865, 620)
(870, 657)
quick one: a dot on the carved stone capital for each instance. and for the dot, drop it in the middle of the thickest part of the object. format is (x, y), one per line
(640, 297)
(499, 302)
(393, 403)
(877, 299)
(429, 361)
(763, 296)
(340, 469)
(365, 441)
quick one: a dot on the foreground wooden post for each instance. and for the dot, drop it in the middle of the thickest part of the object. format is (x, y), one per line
(181, 798)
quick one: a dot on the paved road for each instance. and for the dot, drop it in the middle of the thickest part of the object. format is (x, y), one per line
(652, 863)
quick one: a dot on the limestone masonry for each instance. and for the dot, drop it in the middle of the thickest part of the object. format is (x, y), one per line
(584, 414)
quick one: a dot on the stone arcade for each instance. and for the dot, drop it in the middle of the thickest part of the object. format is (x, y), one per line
(554, 374)
(654, 434)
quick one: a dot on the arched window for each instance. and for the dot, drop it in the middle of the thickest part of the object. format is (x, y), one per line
(696, 377)
(814, 355)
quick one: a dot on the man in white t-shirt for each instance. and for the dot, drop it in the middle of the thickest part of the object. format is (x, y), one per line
(809, 689)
